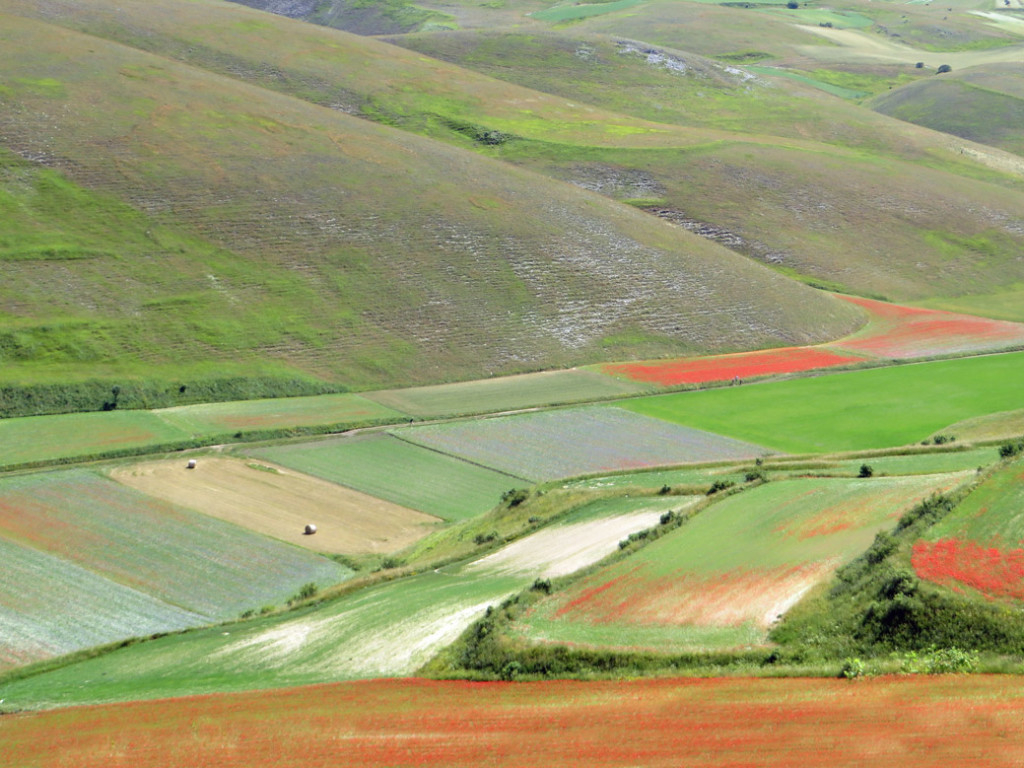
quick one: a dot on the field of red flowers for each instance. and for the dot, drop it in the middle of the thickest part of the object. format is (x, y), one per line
(996, 573)
(912, 722)
(908, 332)
(745, 365)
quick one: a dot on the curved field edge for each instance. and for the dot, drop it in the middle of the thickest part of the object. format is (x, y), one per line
(385, 629)
(698, 722)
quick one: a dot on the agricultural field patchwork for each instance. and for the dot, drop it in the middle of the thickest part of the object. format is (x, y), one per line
(725, 577)
(279, 502)
(562, 443)
(849, 411)
(402, 473)
(146, 561)
(703, 723)
(910, 332)
(382, 631)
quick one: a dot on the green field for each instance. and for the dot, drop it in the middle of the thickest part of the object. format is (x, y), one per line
(277, 414)
(857, 410)
(993, 514)
(77, 435)
(392, 469)
(507, 393)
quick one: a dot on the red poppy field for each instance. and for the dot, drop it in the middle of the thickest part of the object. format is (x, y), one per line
(996, 573)
(919, 721)
(727, 367)
(909, 332)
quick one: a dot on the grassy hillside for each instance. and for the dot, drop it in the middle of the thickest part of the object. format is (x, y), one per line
(321, 253)
(983, 104)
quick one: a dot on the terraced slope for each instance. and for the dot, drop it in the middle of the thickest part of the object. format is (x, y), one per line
(310, 241)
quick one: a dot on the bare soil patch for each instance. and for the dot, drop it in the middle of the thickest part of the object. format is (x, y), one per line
(280, 503)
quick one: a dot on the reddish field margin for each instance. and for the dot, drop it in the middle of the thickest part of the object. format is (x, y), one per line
(951, 562)
(744, 365)
(905, 721)
(896, 331)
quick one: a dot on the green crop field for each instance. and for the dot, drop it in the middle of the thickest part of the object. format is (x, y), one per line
(68, 436)
(398, 471)
(856, 410)
(724, 578)
(993, 514)
(508, 393)
(278, 413)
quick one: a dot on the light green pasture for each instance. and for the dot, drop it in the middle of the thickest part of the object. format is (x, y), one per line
(993, 513)
(277, 413)
(856, 410)
(505, 394)
(69, 436)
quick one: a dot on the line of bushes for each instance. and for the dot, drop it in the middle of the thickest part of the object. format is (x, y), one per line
(105, 395)
(878, 606)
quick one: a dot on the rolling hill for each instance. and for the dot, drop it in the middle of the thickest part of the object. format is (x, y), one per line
(263, 229)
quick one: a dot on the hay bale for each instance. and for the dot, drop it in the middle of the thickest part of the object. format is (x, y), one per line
(310, 530)
(191, 464)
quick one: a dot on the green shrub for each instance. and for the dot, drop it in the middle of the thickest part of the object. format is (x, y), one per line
(865, 471)
(852, 668)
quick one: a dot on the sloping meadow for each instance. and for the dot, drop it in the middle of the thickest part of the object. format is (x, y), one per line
(725, 577)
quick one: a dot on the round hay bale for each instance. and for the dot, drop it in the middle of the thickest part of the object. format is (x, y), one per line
(310, 529)
(191, 464)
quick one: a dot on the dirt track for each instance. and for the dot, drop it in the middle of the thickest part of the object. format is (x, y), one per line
(280, 503)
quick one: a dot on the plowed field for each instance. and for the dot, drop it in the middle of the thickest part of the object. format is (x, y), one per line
(280, 502)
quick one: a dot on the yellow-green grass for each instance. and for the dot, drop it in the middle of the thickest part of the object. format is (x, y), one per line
(993, 514)
(88, 561)
(277, 414)
(79, 435)
(724, 578)
(305, 278)
(1006, 303)
(505, 393)
(383, 631)
(392, 469)
(856, 410)
(994, 426)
